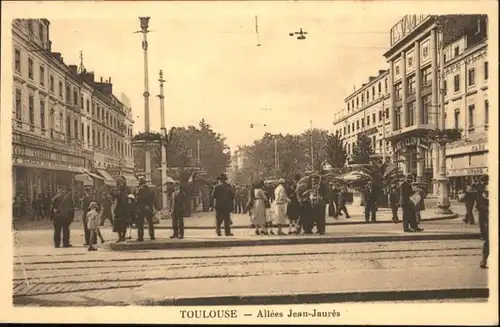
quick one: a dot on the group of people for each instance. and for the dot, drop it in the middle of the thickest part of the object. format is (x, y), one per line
(130, 209)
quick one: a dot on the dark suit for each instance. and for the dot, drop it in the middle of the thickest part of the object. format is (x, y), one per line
(224, 199)
(482, 206)
(370, 195)
(145, 203)
(64, 211)
(394, 202)
(178, 204)
(409, 218)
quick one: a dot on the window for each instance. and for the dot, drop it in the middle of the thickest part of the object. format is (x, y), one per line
(93, 108)
(397, 70)
(81, 102)
(348, 128)
(60, 89)
(426, 77)
(42, 114)
(82, 131)
(426, 106)
(93, 136)
(352, 127)
(345, 131)
(42, 76)
(373, 92)
(485, 70)
(374, 118)
(75, 97)
(385, 83)
(411, 85)
(397, 91)
(30, 68)
(380, 115)
(368, 120)
(40, 31)
(17, 60)
(367, 95)
(31, 108)
(445, 87)
(98, 139)
(88, 134)
(30, 26)
(51, 83)
(397, 118)
(410, 62)
(457, 51)
(362, 99)
(486, 112)
(411, 113)
(379, 87)
(68, 94)
(471, 116)
(362, 122)
(386, 113)
(348, 106)
(472, 76)
(19, 108)
(374, 142)
(357, 125)
(76, 129)
(98, 112)
(456, 81)
(357, 102)
(456, 119)
(88, 106)
(425, 51)
(352, 104)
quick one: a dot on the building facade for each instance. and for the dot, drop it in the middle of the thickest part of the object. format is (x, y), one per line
(53, 116)
(467, 108)
(366, 112)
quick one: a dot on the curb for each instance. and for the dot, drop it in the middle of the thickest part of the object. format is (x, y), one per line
(377, 296)
(437, 218)
(216, 243)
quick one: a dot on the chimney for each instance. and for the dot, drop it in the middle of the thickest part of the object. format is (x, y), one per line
(110, 80)
(74, 68)
(371, 79)
(380, 72)
(101, 79)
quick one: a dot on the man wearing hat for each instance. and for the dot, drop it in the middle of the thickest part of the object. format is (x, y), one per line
(145, 204)
(223, 197)
(408, 207)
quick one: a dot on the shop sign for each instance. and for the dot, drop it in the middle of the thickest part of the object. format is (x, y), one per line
(25, 155)
(480, 147)
(405, 26)
(472, 171)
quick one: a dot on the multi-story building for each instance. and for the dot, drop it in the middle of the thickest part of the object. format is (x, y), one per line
(366, 113)
(466, 106)
(414, 64)
(54, 123)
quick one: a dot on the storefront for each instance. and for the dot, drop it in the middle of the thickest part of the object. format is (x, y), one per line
(108, 179)
(465, 164)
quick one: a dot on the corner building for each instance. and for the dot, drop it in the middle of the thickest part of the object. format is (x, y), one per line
(416, 43)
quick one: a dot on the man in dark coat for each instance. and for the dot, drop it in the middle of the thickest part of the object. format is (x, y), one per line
(482, 205)
(370, 195)
(407, 205)
(342, 199)
(179, 201)
(223, 203)
(145, 203)
(394, 202)
(121, 212)
(63, 212)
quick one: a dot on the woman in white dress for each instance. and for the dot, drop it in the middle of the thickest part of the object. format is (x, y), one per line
(259, 209)
(280, 203)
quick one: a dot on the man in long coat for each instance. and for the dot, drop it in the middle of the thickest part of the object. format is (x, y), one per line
(223, 196)
(407, 205)
(63, 212)
(145, 204)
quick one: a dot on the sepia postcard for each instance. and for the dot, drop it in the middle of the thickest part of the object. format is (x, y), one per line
(249, 162)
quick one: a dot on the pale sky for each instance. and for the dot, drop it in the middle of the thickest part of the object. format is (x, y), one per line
(214, 70)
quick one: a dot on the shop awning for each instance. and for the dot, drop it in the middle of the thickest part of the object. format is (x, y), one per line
(131, 180)
(84, 178)
(95, 176)
(108, 180)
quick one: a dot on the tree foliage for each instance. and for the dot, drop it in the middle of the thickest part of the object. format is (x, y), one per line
(336, 154)
(362, 150)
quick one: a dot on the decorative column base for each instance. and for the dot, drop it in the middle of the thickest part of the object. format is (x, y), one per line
(443, 205)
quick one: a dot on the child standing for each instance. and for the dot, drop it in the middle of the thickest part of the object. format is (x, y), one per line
(93, 222)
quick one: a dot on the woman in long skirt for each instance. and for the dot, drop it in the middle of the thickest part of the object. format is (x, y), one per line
(259, 210)
(122, 213)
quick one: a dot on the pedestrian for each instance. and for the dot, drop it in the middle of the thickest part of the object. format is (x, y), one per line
(409, 220)
(121, 213)
(93, 219)
(223, 197)
(145, 205)
(483, 208)
(293, 210)
(482, 205)
(63, 212)
(420, 205)
(38, 207)
(370, 195)
(89, 197)
(106, 201)
(132, 216)
(250, 203)
(394, 202)
(342, 199)
(259, 209)
(469, 199)
(280, 205)
(179, 202)
(269, 191)
(332, 195)
(318, 197)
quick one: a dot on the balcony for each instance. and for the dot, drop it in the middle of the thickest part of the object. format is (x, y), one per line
(57, 136)
(19, 125)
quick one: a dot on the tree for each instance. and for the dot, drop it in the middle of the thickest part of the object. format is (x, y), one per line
(362, 150)
(336, 154)
(382, 174)
(319, 140)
